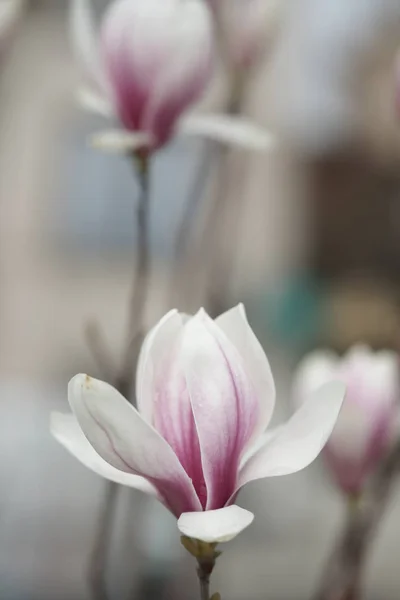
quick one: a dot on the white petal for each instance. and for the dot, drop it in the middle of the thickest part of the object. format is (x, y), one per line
(118, 140)
(84, 38)
(261, 441)
(65, 428)
(94, 102)
(236, 327)
(155, 347)
(235, 131)
(214, 526)
(298, 442)
(121, 436)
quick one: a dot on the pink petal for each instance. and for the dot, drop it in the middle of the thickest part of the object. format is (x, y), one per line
(224, 402)
(187, 67)
(215, 526)
(158, 59)
(122, 438)
(129, 67)
(236, 327)
(297, 443)
(164, 399)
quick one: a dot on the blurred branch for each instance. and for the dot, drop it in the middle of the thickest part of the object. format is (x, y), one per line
(218, 264)
(101, 542)
(125, 381)
(341, 579)
(98, 347)
(181, 263)
(124, 378)
(215, 156)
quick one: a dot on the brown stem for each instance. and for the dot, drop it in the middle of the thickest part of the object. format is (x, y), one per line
(99, 350)
(125, 378)
(204, 580)
(182, 265)
(219, 266)
(205, 567)
(101, 543)
(181, 287)
(344, 569)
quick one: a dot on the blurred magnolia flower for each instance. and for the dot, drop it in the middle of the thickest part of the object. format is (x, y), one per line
(245, 26)
(150, 62)
(368, 420)
(205, 396)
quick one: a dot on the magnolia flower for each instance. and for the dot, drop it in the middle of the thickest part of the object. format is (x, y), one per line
(205, 396)
(150, 62)
(244, 26)
(367, 423)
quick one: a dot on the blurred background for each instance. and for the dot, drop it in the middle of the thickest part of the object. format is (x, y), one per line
(316, 260)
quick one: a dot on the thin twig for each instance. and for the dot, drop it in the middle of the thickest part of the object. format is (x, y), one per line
(97, 345)
(101, 543)
(344, 569)
(219, 269)
(124, 379)
(181, 262)
(217, 156)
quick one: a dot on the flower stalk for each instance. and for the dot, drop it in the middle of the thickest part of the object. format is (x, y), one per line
(342, 577)
(206, 555)
(125, 379)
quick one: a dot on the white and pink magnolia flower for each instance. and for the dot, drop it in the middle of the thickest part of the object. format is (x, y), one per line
(205, 396)
(150, 61)
(245, 26)
(368, 421)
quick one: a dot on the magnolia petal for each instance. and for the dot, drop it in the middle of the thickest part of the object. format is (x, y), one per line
(122, 438)
(66, 430)
(261, 441)
(84, 38)
(156, 345)
(224, 402)
(164, 398)
(215, 526)
(187, 65)
(94, 102)
(235, 131)
(236, 327)
(118, 140)
(298, 442)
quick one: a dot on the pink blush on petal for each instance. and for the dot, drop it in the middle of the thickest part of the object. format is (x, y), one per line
(173, 419)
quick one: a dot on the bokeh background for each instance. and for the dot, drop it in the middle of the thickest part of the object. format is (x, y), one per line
(316, 257)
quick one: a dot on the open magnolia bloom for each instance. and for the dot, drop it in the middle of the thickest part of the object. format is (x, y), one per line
(368, 422)
(205, 396)
(150, 62)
